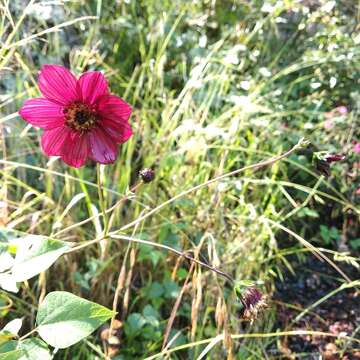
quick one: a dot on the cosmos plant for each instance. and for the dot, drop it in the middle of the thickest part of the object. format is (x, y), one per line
(81, 119)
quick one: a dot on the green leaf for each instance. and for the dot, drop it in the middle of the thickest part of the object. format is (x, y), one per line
(5, 336)
(329, 234)
(181, 274)
(63, 319)
(308, 212)
(151, 315)
(355, 244)
(7, 235)
(13, 327)
(155, 290)
(8, 346)
(8, 283)
(12, 355)
(147, 253)
(6, 261)
(34, 349)
(133, 324)
(36, 254)
(171, 289)
(324, 232)
(8, 351)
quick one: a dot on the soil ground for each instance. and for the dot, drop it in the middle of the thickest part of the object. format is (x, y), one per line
(339, 314)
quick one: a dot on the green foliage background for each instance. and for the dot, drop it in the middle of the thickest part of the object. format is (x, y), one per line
(215, 85)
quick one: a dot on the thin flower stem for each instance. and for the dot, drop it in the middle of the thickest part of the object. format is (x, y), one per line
(66, 176)
(177, 252)
(121, 280)
(28, 334)
(109, 210)
(101, 200)
(119, 287)
(131, 192)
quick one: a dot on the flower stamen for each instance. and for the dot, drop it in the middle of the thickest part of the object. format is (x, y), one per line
(80, 117)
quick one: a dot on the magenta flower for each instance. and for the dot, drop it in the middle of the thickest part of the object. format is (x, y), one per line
(80, 118)
(342, 110)
(333, 157)
(328, 124)
(356, 148)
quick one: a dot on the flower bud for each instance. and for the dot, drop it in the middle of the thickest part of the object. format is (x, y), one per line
(147, 175)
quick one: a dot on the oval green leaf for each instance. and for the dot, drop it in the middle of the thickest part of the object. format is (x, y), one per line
(34, 349)
(36, 254)
(64, 319)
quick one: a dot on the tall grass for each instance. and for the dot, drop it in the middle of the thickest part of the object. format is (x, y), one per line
(215, 86)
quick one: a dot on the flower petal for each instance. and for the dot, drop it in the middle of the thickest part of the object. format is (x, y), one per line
(103, 148)
(58, 84)
(42, 113)
(76, 149)
(53, 140)
(120, 132)
(92, 86)
(114, 108)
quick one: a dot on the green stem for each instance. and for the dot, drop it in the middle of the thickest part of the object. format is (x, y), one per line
(102, 201)
(28, 334)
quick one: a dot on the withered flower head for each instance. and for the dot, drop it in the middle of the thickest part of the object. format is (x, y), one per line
(252, 300)
(322, 161)
(322, 167)
(333, 157)
(147, 175)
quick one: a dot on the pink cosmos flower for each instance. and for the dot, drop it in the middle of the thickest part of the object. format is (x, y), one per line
(356, 148)
(328, 124)
(342, 110)
(80, 118)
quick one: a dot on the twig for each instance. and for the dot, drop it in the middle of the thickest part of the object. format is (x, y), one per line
(101, 198)
(219, 338)
(121, 281)
(177, 252)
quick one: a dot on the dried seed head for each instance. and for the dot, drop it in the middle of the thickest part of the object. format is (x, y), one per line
(252, 301)
(333, 157)
(114, 341)
(112, 351)
(322, 167)
(322, 161)
(147, 175)
(105, 330)
(105, 333)
(117, 324)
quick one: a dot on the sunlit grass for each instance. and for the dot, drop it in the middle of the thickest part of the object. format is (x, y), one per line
(200, 110)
